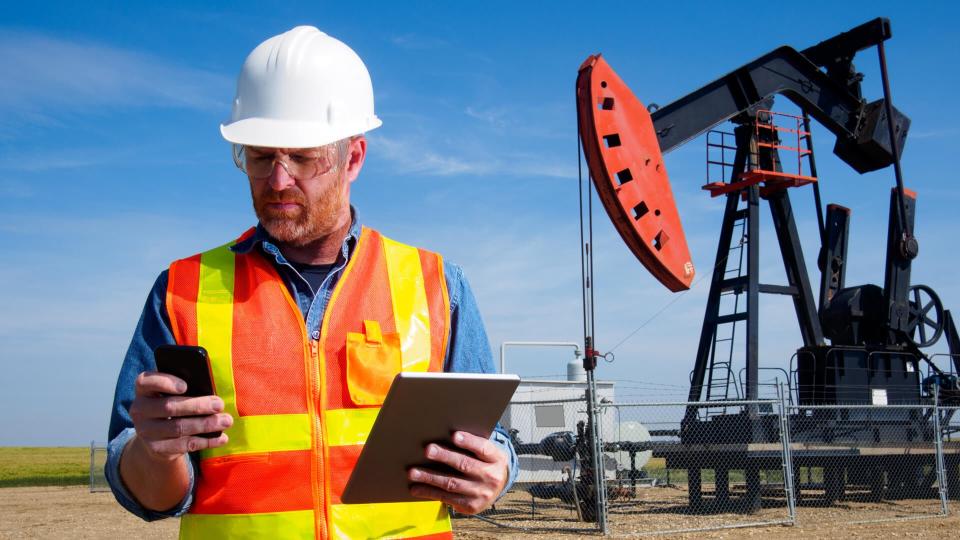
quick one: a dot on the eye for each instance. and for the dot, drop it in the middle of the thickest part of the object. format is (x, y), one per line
(301, 158)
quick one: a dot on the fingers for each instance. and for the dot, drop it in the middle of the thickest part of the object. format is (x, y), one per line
(483, 448)
(483, 473)
(461, 503)
(174, 428)
(464, 463)
(154, 383)
(446, 483)
(170, 449)
(481, 452)
(165, 407)
(169, 438)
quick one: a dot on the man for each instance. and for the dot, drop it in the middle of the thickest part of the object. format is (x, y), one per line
(306, 319)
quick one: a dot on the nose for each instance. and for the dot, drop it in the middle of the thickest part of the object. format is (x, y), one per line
(280, 178)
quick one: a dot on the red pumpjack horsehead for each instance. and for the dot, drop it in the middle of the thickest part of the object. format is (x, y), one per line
(627, 167)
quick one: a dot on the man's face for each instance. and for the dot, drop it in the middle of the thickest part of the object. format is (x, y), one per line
(299, 201)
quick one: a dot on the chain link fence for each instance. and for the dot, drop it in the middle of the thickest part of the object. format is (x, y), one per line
(859, 463)
(696, 466)
(672, 467)
(551, 492)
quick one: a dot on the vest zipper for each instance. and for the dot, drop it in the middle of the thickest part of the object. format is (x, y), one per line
(316, 403)
(315, 407)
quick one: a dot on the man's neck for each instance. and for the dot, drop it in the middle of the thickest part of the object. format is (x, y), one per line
(323, 250)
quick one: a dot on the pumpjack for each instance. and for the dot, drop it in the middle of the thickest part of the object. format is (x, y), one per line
(861, 344)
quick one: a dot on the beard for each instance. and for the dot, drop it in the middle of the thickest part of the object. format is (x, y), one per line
(309, 220)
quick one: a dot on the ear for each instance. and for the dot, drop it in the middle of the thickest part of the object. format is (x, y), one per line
(356, 153)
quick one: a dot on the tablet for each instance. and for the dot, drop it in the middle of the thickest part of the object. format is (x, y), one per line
(421, 408)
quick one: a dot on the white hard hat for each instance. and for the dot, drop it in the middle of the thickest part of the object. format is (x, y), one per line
(301, 89)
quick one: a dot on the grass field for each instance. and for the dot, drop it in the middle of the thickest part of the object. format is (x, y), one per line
(44, 466)
(657, 468)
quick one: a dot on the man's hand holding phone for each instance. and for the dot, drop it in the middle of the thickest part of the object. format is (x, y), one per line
(171, 416)
(169, 424)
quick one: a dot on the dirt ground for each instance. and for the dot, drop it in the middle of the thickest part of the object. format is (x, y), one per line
(651, 510)
(73, 512)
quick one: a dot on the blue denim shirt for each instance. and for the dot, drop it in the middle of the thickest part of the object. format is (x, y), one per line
(468, 351)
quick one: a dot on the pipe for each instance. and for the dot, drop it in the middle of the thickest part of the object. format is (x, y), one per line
(577, 353)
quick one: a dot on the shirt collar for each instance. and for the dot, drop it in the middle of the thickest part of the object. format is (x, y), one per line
(261, 237)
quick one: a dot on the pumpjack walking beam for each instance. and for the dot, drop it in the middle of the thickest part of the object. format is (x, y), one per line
(832, 98)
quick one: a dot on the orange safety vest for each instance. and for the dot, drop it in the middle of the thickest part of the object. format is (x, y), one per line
(303, 408)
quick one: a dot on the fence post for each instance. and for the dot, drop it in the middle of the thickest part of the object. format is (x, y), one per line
(787, 454)
(93, 448)
(938, 442)
(599, 472)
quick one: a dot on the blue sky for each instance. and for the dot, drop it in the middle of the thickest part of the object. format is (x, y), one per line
(111, 165)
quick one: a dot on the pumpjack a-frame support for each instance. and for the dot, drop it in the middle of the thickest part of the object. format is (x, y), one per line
(711, 376)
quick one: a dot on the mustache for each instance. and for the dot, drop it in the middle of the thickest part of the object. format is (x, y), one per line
(283, 197)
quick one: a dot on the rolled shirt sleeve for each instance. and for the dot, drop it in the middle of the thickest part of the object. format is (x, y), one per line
(152, 330)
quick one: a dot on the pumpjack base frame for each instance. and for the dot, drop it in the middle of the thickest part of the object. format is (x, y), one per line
(894, 472)
(888, 460)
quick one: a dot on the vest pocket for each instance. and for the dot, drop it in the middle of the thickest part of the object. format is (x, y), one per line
(373, 360)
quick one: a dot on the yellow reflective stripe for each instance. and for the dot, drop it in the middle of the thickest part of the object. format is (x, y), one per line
(410, 310)
(388, 520)
(215, 320)
(265, 433)
(275, 525)
(349, 426)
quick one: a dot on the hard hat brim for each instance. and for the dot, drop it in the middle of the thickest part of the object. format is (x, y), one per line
(273, 133)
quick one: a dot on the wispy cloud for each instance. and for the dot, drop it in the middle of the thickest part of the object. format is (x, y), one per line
(493, 116)
(49, 162)
(414, 155)
(71, 159)
(934, 133)
(43, 72)
(417, 42)
(410, 156)
(541, 121)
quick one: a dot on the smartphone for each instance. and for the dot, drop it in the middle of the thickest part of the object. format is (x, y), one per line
(190, 364)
